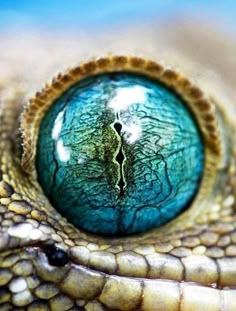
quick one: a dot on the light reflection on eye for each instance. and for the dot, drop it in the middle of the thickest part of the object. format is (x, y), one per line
(119, 153)
(62, 151)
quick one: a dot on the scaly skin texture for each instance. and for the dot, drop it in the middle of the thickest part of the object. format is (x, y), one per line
(188, 265)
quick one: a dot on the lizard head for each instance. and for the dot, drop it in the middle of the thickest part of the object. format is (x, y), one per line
(46, 261)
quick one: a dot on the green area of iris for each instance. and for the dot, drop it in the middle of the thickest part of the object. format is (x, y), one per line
(119, 154)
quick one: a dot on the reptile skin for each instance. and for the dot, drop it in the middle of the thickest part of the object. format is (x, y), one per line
(188, 265)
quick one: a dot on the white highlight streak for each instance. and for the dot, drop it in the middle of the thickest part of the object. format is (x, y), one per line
(127, 96)
(63, 152)
(57, 125)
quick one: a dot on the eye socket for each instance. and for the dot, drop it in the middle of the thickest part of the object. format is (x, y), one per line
(118, 154)
(120, 145)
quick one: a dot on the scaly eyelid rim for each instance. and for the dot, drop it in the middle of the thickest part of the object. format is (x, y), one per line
(200, 105)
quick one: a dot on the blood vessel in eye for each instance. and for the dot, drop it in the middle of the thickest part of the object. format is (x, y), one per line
(118, 154)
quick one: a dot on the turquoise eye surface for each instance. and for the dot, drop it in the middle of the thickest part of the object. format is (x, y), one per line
(119, 153)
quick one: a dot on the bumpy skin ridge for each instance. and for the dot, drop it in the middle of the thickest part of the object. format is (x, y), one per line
(191, 266)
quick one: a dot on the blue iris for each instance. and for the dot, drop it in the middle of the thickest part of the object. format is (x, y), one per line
(118, 154)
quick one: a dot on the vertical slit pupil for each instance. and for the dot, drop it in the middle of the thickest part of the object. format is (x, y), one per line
(120, 158)
(118, 127)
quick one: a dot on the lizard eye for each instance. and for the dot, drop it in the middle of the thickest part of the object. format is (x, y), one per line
(121, 145)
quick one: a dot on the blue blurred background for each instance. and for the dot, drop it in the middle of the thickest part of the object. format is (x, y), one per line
(99, 14)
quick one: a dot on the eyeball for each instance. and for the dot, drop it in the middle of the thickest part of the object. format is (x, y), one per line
(120, 145)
